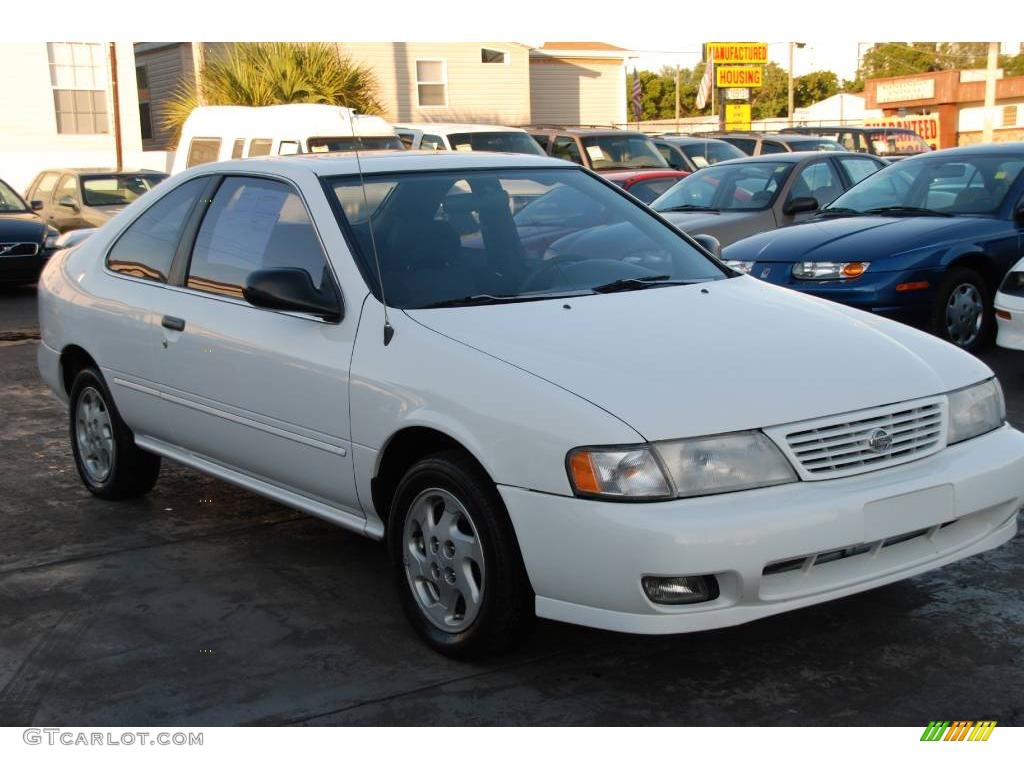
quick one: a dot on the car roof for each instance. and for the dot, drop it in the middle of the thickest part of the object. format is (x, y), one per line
(385, 161)
(1003, 148)
(107, 171)
(584, 131)
(457, 127)
(676, 139)
(790, 157)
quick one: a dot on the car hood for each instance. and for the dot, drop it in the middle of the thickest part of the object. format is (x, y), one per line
(715, 357)
(866, 236)
(21, 226)
(706, 223)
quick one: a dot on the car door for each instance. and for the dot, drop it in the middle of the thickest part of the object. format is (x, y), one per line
(65, 211)
(262, 392)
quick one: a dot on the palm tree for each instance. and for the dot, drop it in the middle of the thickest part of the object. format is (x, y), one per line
(262, 74)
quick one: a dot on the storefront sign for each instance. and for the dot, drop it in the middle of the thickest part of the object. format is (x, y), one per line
(740, 77)
(737, 53)
(925, 126)
(737, 117)
(905, 90)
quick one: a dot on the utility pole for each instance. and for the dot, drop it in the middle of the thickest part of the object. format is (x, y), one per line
(112, 47)
(990, 91)
(792, 46)
(677, 97)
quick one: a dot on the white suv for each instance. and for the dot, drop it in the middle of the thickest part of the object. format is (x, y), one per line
(644, 442)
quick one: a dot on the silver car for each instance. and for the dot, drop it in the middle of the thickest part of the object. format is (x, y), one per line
(739, 198)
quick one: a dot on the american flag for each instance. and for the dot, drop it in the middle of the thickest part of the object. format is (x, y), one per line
(637, 91)
(704, 91)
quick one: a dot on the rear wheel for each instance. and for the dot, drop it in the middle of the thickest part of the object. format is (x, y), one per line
(963, 313)
(457, 564)
(110, 464)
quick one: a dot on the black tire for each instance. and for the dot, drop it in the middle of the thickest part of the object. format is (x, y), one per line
(506, 605)
(132, 471)
(964, 279)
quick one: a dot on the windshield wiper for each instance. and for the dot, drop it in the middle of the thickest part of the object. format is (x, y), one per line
(638, 283)
(829, 212)
(480, 299)
(907, 209)
(686, 207)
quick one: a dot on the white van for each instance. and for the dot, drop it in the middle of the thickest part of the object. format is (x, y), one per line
(229, 133)
(467, 137)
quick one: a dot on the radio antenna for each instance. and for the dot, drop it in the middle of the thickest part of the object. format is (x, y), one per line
(389, 332)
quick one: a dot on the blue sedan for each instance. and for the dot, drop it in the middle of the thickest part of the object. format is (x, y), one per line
(925, 241)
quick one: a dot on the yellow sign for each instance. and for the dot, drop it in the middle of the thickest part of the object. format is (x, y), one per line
(739, 77)
(738, 53)
(737, 117)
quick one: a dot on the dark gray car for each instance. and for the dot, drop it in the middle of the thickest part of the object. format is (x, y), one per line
(739, 198)
(74, 198)
(691, 153)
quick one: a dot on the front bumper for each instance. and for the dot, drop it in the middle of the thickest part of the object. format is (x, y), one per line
(22, 269)
(1011, 332)
(585, 558)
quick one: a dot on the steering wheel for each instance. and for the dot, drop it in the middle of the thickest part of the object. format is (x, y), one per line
(535, 283)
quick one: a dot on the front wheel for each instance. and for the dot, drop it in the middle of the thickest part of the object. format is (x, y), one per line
(963, 312)
(457, 563)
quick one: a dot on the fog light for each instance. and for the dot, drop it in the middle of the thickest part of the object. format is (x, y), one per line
(680, 590)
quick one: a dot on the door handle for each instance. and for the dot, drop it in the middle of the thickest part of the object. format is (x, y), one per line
(173, 323)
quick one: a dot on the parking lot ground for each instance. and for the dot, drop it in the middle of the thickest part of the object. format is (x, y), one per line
(202, 604)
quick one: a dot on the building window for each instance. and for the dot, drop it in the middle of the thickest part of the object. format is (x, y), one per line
(431, 83)
(145, 117)
(78, 74)
(491, 56)
(1010, 116)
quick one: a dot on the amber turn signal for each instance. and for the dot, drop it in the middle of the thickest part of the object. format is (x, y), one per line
(853, 269)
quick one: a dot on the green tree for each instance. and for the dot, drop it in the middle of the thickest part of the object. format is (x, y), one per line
(814, 87)
(772, 98)
(262, 74)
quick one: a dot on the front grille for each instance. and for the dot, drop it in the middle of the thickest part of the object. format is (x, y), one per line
(19, 249)
(866, 440)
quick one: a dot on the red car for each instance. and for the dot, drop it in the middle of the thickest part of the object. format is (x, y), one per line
(646, 186)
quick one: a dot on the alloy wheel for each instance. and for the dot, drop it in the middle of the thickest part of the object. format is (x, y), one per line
(95, 435)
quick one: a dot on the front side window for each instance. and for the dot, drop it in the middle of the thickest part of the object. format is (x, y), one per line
(78, 76)
(565, 148)
(68, 190)
(146, 248)
(431, 143)
(454, 238)
(649, 190)
(622, 152)
(818, 180)
(45, 186)
(202, 151)
(771, 148)
(746, 146)
(495, 141)
(10, 201)
(961, 184)
(749, 186)
(431, 83)
(254, 224)
(859, 168)
(117, 189)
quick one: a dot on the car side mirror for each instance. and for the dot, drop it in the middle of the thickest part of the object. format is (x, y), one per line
(1019, 213)
(291, 289)
(709, 244)
(800, 205)
(67, 201)
(37, 205)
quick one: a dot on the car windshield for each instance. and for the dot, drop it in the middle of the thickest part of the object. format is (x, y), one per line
(730, 187)
(10, 201)
(495, 141)
(349, 143)
(618, 151)
(451, 238)
(940, 183)
(711, 152)
(814, 144)
(896, 141)
(118, 189)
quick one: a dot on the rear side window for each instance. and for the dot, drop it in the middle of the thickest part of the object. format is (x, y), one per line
(202, 151)
(771, 148)
(746, 145)
(565, 148)
(254, 224)
(236, 149)
(259, 147)
(146, 248)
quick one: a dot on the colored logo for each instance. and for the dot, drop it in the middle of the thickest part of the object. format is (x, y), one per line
(959, 730)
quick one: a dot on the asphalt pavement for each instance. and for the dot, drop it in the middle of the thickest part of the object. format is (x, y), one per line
(202, 604)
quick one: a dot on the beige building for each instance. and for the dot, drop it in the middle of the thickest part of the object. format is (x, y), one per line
(65, 108)
(473, 82)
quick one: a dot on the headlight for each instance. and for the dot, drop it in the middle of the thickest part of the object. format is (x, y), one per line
(679, 468)
(51, 238)
(829, 270)
(740, 266)
(975, 410)
(1013, 284)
